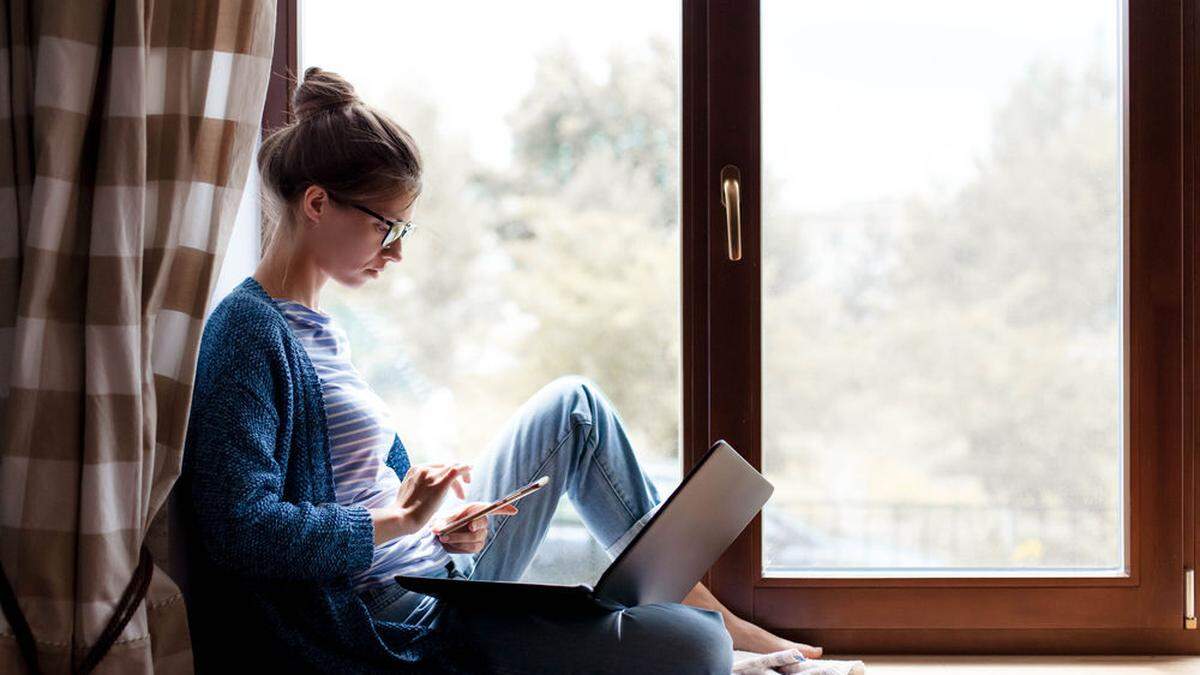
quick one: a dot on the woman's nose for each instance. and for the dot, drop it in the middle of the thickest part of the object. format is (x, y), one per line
(392, 251)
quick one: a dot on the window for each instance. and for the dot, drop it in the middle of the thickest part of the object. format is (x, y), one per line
(959, 337)
(942, 274)
(549, 223)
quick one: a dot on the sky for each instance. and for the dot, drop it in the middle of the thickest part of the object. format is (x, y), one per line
(861, 100)
(475, 58)
(875, 100)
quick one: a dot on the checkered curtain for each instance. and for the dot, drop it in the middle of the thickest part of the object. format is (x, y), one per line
(127, 128)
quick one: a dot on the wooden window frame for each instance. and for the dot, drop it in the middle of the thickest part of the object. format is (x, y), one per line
(285, 59)
(1141, 613)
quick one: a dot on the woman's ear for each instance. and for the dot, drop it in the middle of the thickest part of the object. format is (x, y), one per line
(313, 204)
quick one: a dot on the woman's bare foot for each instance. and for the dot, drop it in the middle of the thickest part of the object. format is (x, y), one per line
(748, 637)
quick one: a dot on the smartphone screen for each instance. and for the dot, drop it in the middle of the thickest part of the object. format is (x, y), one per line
(513, 496)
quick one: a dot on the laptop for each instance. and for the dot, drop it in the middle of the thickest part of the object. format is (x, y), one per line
(711, 506)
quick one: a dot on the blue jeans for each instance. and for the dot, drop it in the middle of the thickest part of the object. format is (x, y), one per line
(570, 431)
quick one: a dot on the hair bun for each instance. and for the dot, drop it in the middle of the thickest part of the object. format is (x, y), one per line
(322, 91)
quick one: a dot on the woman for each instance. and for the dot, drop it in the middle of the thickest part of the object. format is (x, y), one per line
(304, 533)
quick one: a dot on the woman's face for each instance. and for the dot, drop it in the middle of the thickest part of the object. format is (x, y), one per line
(344, 241)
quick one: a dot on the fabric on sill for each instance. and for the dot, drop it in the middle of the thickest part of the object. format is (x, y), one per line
(792, 661)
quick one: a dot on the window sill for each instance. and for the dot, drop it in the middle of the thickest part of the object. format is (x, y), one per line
(1026, 665)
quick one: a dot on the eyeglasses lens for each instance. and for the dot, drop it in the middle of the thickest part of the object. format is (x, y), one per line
(397, 232)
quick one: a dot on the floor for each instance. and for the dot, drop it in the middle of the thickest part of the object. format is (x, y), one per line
(1027, 665)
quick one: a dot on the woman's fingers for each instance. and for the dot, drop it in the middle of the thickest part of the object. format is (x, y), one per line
(424, 469)
(464, 537)
(435, 471)
(464, 470)
(465, 512)
(470, 508)
(476, 530)
(475, 507)
(461, 548)
(448, 478)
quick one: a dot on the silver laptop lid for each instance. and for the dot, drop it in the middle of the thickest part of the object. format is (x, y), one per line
(710, 508)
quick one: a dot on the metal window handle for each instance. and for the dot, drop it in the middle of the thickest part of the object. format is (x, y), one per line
(731, 197)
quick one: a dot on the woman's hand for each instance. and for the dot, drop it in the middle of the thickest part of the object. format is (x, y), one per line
(423, 489)
(471, 537)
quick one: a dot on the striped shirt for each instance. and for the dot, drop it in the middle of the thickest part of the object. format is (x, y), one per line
(361, 432)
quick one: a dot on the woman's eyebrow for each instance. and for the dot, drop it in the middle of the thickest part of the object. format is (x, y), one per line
(384, 215)
(372, 212)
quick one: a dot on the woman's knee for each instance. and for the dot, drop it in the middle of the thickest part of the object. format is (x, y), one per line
(570, 399)
(574, 387)
(711, 640)
(686, 639)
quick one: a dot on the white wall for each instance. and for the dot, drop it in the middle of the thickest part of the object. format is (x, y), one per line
(242, 255)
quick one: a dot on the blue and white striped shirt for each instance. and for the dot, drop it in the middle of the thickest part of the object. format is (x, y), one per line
(361, 432)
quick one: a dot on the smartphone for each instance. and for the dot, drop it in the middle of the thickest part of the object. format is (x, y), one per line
(512, 497)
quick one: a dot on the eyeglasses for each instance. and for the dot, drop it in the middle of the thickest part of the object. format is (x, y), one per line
(396, 228)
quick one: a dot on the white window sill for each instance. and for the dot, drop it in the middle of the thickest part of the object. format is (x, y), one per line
(1027, 665)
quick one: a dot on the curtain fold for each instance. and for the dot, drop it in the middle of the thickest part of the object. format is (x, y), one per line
(127, 129)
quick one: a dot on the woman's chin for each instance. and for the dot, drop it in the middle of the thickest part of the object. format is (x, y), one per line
(354, 279)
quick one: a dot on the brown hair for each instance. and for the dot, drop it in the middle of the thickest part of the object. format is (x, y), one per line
(355, 152)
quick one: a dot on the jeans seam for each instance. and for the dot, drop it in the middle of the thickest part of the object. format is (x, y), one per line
(575, 424)
(612, 485)
(594, 397)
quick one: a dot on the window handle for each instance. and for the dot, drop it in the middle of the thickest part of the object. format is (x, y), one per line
(1189, 598)
(731, 197)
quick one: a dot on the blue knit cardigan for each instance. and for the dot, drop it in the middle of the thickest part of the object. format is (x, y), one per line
(269, 551)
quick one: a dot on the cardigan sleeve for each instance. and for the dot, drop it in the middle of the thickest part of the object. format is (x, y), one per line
(245, 524)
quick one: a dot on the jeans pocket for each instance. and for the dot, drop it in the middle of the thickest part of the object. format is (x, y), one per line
(382, 596)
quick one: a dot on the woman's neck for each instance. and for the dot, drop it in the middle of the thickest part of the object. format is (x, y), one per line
(290, 276)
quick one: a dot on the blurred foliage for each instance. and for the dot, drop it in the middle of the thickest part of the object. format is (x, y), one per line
(965, 348)
(956, 348)
(567, 262)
